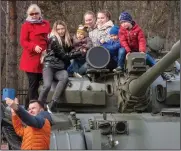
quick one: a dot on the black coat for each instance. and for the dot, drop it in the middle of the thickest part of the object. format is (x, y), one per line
(56, 54)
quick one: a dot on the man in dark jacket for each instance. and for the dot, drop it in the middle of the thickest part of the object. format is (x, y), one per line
(33, 126)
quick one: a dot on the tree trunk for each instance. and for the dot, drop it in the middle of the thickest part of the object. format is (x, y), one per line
(101, 4)
(170, 22)
(1, 49)
(4, 38)
(175, 22)
(7, 31)
(118, 12)
(11, 54)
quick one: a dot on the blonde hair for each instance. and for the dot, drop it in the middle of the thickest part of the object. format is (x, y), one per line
(31, 8)
(67, 35)
(82, 29)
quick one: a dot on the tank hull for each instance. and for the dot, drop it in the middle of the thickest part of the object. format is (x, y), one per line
(145, 132)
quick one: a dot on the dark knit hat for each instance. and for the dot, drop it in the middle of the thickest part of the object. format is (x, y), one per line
(114, 30)
(83, 30)
(125, 16)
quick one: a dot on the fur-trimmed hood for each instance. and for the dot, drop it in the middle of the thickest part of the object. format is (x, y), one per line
(106, 25)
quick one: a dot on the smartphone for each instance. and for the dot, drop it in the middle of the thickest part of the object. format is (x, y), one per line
(8, 93)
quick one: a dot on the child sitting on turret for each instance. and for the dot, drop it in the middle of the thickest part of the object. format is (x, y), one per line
(81, 42)
(117, 52)
(133, 39)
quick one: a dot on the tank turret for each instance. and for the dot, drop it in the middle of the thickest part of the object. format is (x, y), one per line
(138, 87)
(134, 91)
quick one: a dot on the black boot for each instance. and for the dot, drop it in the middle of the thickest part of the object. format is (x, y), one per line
(166, 76)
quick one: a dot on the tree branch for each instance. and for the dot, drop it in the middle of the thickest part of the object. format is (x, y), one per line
(3, 9)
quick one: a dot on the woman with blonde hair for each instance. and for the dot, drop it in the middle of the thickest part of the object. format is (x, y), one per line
(33, 39)
(54, 63)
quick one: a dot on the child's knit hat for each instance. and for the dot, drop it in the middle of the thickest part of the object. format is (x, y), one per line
(114, 30)
(83, 30)
(125, 16)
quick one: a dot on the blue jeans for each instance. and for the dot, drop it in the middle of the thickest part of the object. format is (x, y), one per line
(122, 54)
(121, 57)
(78, 66)
(149, 60)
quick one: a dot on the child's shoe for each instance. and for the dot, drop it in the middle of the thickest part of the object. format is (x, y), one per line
(77, 75)
(118, 69)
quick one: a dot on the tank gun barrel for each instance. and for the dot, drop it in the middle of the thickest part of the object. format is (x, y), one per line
(139, 86)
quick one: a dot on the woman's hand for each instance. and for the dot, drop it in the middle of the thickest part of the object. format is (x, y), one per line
(102, 41)
(83, 50)
(38, 49)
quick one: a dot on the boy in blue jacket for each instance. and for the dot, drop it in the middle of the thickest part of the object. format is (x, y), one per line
(117, 52)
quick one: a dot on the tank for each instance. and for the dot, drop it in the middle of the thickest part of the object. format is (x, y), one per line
(105, 110)
(156, 48)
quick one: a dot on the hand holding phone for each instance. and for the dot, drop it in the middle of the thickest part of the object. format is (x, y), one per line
(8, 93)
(13, 104)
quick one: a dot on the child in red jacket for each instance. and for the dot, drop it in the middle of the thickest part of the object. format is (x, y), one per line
(133, 39)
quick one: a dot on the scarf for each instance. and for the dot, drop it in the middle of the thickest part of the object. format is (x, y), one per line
(106, 25)
(34, 21)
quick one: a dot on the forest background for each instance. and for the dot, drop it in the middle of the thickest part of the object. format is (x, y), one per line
(156, 18)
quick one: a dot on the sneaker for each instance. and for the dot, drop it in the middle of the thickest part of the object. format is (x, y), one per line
(89, 75)
(167, 77)
(77, 75)
(51, 107)
(118, 69)
(48, 109)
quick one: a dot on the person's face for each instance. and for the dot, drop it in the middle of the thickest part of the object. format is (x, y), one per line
(61, 30)
(101, 19)
(80, 36)
(34, 14)
(114, 37)
(126, 25)
(89, 20)
(34, 109)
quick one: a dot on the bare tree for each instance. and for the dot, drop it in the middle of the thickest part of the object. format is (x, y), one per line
(4, 36)
(11, 59)
(7, 31)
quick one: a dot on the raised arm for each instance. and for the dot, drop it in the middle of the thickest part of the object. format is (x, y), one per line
(34, 121)
(30, 120)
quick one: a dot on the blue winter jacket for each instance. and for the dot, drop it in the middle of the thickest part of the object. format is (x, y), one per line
(113, 47)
